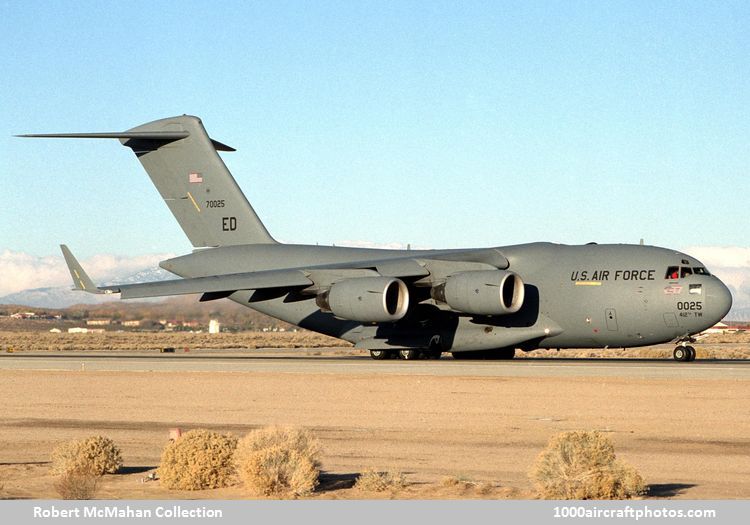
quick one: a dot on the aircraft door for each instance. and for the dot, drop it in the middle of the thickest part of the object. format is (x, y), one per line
(611, 317)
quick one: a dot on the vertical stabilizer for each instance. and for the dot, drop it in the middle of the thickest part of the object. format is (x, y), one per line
(194, 182)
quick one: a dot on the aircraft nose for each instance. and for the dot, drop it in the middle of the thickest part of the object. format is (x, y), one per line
(719, 299)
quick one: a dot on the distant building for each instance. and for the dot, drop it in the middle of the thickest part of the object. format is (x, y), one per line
(80, 330)
(98, 322)
(719, 328)
(24, 315)
(214, 326)
(131, 323)
(55, 331)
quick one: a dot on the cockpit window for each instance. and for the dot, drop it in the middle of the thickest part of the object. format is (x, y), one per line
(680, 272)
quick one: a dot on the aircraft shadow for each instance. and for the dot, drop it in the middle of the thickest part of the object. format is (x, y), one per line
(329, 481)
(629, 360)
(668, 490)
(134, 470)
(364, 356)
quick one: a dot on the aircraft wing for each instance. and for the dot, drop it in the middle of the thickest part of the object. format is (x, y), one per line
(218, 286)
(212, 284)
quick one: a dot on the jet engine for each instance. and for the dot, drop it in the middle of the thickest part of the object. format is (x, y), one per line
(366, 299)
(482, 292)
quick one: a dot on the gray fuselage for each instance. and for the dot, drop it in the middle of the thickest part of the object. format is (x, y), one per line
(575, 296)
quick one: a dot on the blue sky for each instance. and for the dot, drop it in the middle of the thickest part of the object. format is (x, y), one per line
(437, 124)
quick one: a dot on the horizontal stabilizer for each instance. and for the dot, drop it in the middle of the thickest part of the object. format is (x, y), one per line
(159, 136)
(219, 146)
(144, 135)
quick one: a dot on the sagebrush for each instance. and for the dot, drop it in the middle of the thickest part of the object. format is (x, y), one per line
(95, 455)
(373, 480)
(199, 459)
(582, 465)
(76, 484)
(278, 461)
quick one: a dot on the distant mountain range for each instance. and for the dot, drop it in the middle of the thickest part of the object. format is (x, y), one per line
(65, 296)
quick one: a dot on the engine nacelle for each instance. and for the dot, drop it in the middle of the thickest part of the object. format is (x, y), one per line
(366, 299)
(482, 292)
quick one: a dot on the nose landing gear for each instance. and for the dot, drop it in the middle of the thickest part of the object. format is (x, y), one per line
(684, 353)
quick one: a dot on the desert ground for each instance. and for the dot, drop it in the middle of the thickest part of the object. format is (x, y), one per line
(714, 346)
(684, 426)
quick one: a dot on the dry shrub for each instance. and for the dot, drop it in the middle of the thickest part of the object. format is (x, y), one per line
(76, 484)
(278, 461)
(485, 488)
(463, 484)
(450, 481)
(95, 455)
(582, 465)
(200, 459)
(457, 482)
(372, 480)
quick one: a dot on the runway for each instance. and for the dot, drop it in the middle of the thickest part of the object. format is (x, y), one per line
(291, 362)
(681, 424)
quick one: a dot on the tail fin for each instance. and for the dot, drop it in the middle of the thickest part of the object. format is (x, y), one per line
(184, 165)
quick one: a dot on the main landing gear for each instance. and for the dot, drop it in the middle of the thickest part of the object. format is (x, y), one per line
(684, 353)
(411, 354)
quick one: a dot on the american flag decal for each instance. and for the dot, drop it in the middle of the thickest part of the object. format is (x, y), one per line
(195, 178)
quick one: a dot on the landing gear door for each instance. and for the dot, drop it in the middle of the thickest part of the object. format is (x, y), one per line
(611, 316)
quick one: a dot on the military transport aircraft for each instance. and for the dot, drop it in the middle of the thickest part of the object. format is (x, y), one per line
(475, 303)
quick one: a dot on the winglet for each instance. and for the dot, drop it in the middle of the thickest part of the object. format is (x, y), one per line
(81, 280)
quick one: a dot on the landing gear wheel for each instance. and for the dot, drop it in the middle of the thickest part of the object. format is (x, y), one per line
(380, 354)
(505, 353)
(691, 353)
(681, 353)
(409, 355)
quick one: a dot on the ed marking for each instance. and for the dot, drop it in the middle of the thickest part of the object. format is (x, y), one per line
(228, 224)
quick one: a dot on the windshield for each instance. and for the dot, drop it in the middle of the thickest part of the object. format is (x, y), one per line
(680, 272)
